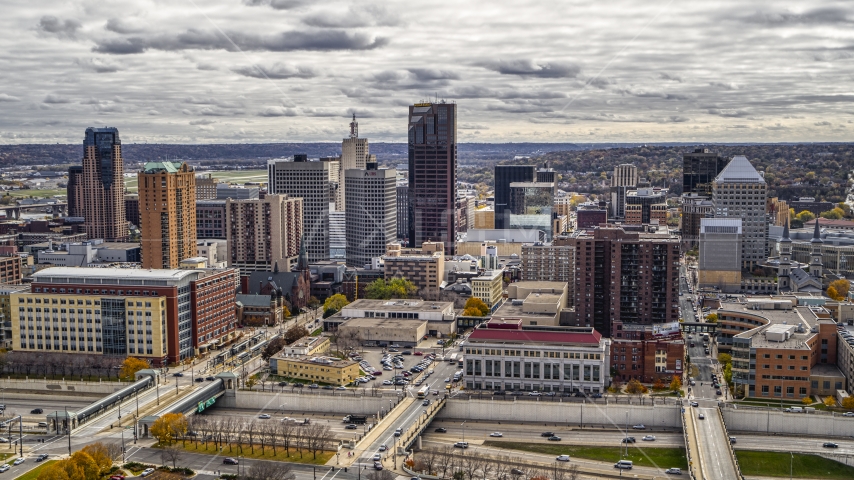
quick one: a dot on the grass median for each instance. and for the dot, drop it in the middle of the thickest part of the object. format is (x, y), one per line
(34, 473)
(257, 452)
(641, 457)
(778, 464)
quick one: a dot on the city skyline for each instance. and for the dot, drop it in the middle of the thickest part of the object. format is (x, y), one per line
(193, 73)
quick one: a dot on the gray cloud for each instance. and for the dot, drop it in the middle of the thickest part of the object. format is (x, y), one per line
(275, 71)
(427, 74)
(203, 121)
(644, 93)
(95, 64)
(61, 28)
(278, 112)
(670, 77)
(277, 4)
(355, 17)
(823, 124)
(826, 15)
(234, 41)
(728, 113)
(8, 98)
(125, 25)
(55, 99)
(529, 68)
(724, 85)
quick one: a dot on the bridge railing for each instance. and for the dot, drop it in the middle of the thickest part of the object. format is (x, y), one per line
(720, 414)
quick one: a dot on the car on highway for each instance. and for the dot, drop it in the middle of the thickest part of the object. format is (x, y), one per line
(639, 426)
(313, 385)
(628, 440)
(4, 467)
(701, 416)
(554, 438)
(398, 432)
(547, 434)
(441, 430)
(264, 416)
(36, 411)
(718, 392)
(378, 466)
(229, 461)
(178, 374)
(825, 445)
(848, 414)
(210, 379)
(383, 447)
(695, 404)
(447, 379)
(496, 434)
(20, 460)
(461, 445)
(377, 457)
(351, 426)
(41, 457)
(516, 471)
(562, 458)
(648, 438)
(732, 440)
(425, 402)
(674, 471)
(341, 388)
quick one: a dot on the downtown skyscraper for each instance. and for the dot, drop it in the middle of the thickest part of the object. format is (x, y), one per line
(432, 140)
(103, 192)
(167, 196)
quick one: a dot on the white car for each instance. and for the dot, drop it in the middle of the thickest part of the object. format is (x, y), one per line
(846, 414)
(701, 417)
(387, 382)
(496, 434)
(639, 426)
(447, 379)
(18, 461)
(146, 472)
(4, 468)
(562, 458)
(264, 416)
(648, 438)
(674, 471)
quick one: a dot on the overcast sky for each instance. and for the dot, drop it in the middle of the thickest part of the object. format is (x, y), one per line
(210, 71)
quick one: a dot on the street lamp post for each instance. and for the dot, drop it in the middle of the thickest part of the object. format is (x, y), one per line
(122, 429)
(464, 430)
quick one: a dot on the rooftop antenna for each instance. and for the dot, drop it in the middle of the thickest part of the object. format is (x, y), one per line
(354, 127)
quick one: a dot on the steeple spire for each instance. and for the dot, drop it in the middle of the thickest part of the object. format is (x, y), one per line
(816, 236)
(302, 261)
(354, 128)
(786, 233)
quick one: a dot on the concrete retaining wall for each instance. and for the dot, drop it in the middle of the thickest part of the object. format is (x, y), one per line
(771, 421)
(56, 386)
(572, 413)
(295, 402)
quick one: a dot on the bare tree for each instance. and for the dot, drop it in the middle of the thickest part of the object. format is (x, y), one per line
(486, 466)
(502, 467)
(299, 434)
(270, 471)
(317, 437)
(566, 472)
(251, 430)
(445, 460)
(286, 435)
(114, 450)
(429, 457)
(470, 464)
(172, 453)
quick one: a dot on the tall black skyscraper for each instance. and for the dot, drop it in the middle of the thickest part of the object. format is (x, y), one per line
(432, 174)
(504, 176)
(103, 185)
(699, 170)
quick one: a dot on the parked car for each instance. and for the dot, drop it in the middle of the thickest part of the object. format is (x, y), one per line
(4, 467)
(149, 471)
(283, 384)
(516, 471)
(313, 385)
(200, 379)
(210, 379)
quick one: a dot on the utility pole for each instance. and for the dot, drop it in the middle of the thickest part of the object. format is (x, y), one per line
(68, 425)
(122, 429)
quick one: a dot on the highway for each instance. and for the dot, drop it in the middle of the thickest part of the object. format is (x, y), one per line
(715, 460)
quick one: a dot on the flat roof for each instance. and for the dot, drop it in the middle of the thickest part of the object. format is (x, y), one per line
(527, 337)
(398, 305)
(507, 309)
(383, 322)
(531, 284)
(779, 319)
(543, 298)
(315, 360)
(74, 273)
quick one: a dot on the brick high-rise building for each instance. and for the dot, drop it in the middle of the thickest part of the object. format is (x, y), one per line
(167, 196)
(206, 187)
(627, 288)
(132, 208)
(264, 235)
(645, 205)
(210, 219)
(103, 185)
(699, 170)
(74, 191)
(432, 139)
(371, 213)
(311, 181)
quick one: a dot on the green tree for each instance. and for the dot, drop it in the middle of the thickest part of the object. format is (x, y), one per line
(382, 289)
(834, 214)
(634, 387)
(724, 358)
(830, 401)
(169, 427)
(275, 346)
(848, 403)
(313, 303)
(841, 287)
(334, 304)
(676, 384)
(475, 307)
(712, 318)
(807, 401)
(728, 373)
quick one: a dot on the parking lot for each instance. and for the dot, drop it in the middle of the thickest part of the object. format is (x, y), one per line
(410, 358)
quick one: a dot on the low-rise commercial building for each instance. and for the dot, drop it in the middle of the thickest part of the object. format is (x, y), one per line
(308, 345)
(405, 322)
(505, 355)
(534, 303)
(780, 349)
(309, 369)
